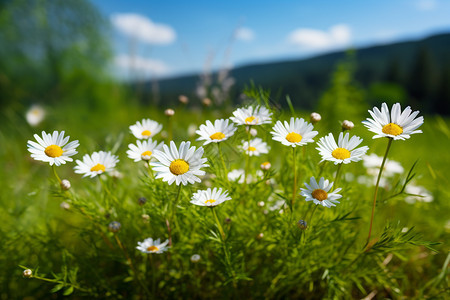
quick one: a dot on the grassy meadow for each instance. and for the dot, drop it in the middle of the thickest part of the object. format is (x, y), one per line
(255, 249)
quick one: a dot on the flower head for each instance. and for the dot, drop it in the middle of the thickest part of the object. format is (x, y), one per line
(143, 150)
(96, 164)
(217, 132)
(320, 192)
(151, 246)
(373, 163)
(315, 117)
(342, 152)
(145, 129)
(347, 125)
(397, 125)
(251, 116)
(255, 147)
(52, 148)
(179, 166)
(297, 132)
(35, 115)
(210, 197)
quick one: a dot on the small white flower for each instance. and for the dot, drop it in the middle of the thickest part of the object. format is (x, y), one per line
(52, 148)
(253, 132)
(96, 164)
(217, 132)
(195, 258)
(180, 166)
(145, 129)
(210, 197)
(373, 162)
(255, 147)
(319, 192)
(35, 115)
(251, 116)
(417, 193)
(151, 246)
(169, 112)
(238, 175)
(342, 152)
(297, 132)
(143, 150)
(265, 166)
(397, 124)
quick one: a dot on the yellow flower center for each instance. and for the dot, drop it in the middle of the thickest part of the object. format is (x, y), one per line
(146, 133)
(146, 153)
(319, 194)
(217, 136)
(251, 148)
(392, 129)
(179, 167)
(210, 201)
(294, 137)
(98, 167)
(340, 153)
(249, 119)
(266, 163)
(152, 248)
(53, 151)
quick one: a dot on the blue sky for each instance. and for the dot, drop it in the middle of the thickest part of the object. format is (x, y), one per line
(170, 38)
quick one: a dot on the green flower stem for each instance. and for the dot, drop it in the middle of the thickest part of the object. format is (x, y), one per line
(150, 171)
(108, 192)
(338, 173)
(294, 190)
(130, 263)
(247, 161)
(376, 188)
(56, 174)
(223, 162)
(222, 233)
(169, 129)
(172, 215)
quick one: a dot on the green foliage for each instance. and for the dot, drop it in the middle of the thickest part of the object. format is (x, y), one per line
(72, 251)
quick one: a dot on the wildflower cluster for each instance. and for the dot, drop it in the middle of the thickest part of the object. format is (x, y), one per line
(191, 168)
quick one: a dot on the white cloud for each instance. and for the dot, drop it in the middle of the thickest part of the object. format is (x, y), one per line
(143, 29)
(141, 65)
(426, 5)
(337, 35)
(244, 34)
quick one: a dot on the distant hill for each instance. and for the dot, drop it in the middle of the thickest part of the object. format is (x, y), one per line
(409, 64)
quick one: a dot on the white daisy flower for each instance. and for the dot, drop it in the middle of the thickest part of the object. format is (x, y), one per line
(342, 152)
(255, 147)
(35, 115)
(151, 246)
(145, 129)
(52, 148)
(210, 197)
(251, 116)
(96, 164)
(397, 125)
(182, 166)
(143, 150)
(417, 193)
(373, 162)
(217, 132)
(319, 192)
(297, 132)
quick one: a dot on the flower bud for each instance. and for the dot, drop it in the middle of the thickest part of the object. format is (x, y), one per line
(142, 200)
(64, 205)
(169, 112)
(315, 117)
(114, 226)
(347, 125)
(260, 236)
(65, 184)
(227, 220)
(195, 258)
(253, 132)
(207, 102)
(183, 99)
(27, 273)
(261, 203)
(265, 166)
(302, 224)
(145, 218)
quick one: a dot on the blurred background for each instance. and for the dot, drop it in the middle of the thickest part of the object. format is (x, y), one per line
(101, 55)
